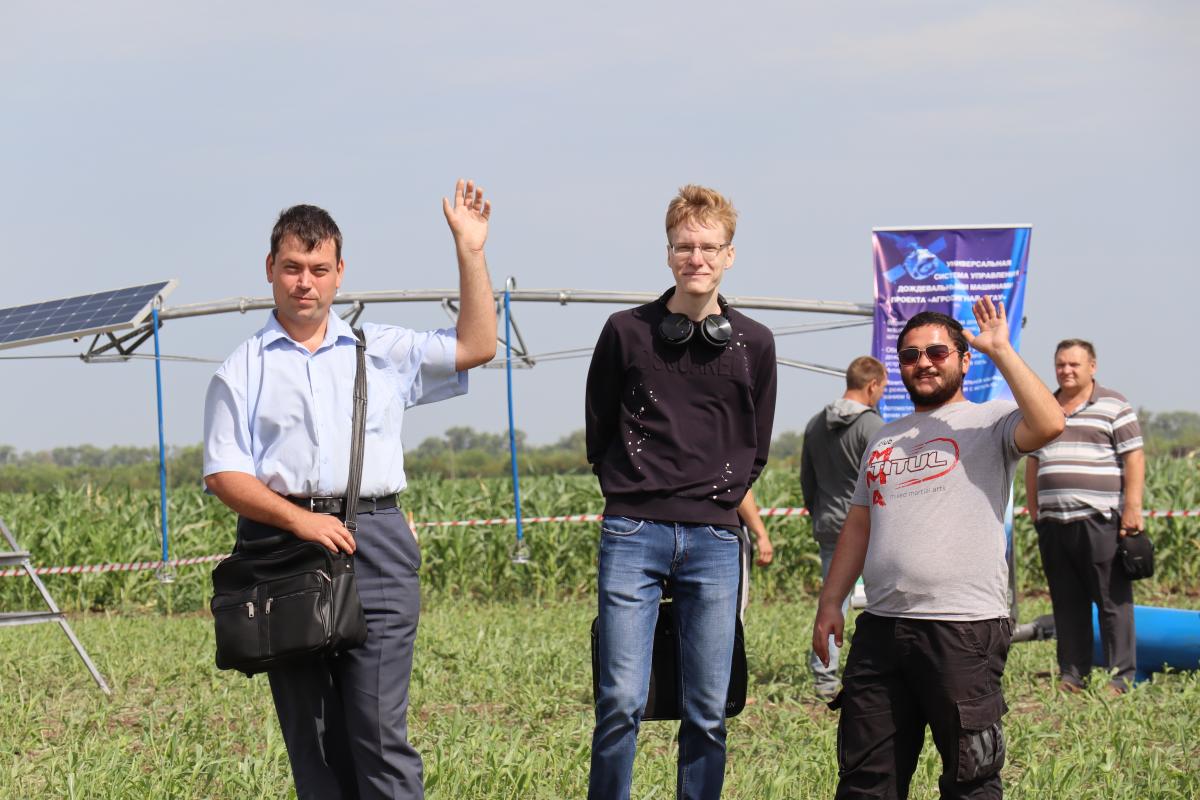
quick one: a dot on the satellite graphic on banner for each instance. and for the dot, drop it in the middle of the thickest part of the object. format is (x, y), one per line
(946, 269)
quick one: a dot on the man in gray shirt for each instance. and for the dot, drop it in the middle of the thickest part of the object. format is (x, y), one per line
(926, 531)
(834, 443)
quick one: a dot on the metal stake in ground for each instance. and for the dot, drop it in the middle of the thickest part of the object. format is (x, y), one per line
(164, 572)
(520, 551)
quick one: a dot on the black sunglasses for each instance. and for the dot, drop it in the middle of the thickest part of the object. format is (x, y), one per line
(937, 353)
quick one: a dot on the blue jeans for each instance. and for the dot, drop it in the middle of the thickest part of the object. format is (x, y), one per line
(701, 565)
(825, 679)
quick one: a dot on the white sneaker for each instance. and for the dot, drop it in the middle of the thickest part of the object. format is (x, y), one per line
(826, 693)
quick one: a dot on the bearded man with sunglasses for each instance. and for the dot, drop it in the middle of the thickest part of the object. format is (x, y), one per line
(680, 403)
(926, 531)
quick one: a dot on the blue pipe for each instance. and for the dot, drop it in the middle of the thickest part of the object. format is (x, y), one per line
(1166, 637)
(162, 450)
(512, 435)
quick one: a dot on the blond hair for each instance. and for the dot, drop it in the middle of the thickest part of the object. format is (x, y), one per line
(702, 205)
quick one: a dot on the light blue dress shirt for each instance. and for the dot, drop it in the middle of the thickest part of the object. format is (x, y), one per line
(278, 412)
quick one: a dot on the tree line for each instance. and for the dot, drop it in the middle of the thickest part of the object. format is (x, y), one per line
(460, 452)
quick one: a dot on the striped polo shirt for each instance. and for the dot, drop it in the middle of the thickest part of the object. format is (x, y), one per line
(1079, 473)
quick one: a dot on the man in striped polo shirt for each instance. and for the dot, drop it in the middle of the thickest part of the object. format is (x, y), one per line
(1084, 492)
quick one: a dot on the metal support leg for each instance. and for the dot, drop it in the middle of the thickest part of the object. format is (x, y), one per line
(21, 558)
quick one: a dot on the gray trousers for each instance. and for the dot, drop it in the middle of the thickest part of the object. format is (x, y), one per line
(344, 719)
(825, 679)
(1080, 563)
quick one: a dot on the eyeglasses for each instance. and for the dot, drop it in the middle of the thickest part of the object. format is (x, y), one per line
(937, 353)
(709, 251)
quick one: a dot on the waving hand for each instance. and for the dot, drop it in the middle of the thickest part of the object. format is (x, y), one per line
(993, 327)
(468, 216)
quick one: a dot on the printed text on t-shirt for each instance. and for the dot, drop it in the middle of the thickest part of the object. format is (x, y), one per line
(928, 461)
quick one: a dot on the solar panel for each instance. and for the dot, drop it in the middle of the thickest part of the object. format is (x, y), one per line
(83, 315)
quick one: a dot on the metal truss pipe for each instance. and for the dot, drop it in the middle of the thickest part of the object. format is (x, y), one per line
(560, 296)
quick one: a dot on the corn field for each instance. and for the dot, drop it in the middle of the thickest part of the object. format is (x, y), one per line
(67, 526)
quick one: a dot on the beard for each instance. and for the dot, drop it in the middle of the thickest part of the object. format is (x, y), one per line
(950, 386)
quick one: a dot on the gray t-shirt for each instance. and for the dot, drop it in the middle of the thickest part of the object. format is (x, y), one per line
(937, 484)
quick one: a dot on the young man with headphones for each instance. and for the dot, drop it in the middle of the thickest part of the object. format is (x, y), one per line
(680, 403)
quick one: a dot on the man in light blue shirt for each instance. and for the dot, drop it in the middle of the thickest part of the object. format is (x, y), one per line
(277, 425)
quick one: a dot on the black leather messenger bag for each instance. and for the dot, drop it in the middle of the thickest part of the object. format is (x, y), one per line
(277, 597)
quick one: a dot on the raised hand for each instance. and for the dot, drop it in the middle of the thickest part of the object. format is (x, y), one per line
(468, 216)
(993, 327)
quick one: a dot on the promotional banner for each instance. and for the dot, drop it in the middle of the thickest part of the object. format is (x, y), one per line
(947, 270)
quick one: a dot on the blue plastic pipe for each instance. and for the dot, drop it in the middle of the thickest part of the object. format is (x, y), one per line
(162, 450)
(512, 433)
(1166, 637)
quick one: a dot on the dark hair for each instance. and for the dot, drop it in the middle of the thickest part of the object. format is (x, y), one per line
(310, 224)
(862, 371)
(1066, 344)
(952, 326)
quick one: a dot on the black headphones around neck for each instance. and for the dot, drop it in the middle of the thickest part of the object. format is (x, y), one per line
(678, 329)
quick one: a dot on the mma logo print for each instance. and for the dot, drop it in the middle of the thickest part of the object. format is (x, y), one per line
(906, 468)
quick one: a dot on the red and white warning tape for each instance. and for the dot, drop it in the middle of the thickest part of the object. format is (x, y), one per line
(765, 512)
(135, 566)
(1195, 512)
(475, 523)
(462, 523)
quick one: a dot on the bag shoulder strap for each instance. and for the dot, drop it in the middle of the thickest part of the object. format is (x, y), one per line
(358, 430)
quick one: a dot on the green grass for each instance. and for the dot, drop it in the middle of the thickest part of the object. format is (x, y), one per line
(502, 709)
(501, 688)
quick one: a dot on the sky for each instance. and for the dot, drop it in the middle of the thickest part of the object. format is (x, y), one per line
(144, 141)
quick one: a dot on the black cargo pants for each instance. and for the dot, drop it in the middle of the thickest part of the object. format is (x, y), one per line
(904, 674)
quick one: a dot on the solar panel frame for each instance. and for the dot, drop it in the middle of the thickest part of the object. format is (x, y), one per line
(81, 315)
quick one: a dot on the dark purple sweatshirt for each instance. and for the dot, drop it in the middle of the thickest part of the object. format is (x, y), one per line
(678, 433)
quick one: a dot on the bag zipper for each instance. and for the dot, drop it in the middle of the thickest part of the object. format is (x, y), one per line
(310, 590)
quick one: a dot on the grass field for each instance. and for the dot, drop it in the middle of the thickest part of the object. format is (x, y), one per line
(501, 709)
(501, 687)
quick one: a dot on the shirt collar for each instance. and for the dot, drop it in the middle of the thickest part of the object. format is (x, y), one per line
(1091, 398)
(669, 293)
(336, 330)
